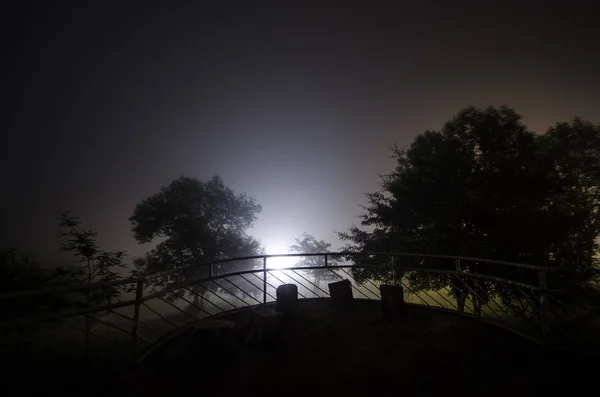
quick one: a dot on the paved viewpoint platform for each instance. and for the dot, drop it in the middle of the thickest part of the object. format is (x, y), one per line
(360, 352)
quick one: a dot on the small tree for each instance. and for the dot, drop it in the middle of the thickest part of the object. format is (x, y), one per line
(308, 244)
(94, 265)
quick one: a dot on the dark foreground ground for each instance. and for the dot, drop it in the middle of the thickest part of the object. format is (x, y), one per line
(358, 353)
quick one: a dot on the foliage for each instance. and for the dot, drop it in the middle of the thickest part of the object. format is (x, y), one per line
(196, 222)
(485, 186)
(573, 150)
(308, 244)
(94, 265)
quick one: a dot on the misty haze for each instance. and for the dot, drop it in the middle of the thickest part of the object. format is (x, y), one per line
(256, 197)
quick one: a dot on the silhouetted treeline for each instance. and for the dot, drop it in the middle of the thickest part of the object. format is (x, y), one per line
(482, 186)
(486, 186)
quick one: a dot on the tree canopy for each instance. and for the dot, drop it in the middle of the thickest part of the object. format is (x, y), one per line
(198, 220)
(195, 222)
(486, 186)
(573, 150)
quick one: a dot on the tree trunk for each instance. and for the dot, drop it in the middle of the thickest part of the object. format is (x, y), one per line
(392, 299)
(193, 307)
(198, 301)
(477, 306)
(477, 309)
(460, 303)
(88, 301)
(88, 326)
(199, 296)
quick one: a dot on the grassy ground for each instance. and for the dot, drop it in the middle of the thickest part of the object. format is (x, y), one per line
(356, 353)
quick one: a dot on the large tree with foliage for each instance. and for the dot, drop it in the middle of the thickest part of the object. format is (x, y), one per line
(196, 222)
(573, 151)
(485, 186)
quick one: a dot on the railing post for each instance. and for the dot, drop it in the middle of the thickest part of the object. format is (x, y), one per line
(326, 263)
(264, 279)
(544, 307)
(139, 291)
(211, 271)
(393, 271)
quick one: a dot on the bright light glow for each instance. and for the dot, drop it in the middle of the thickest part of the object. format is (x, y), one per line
(282, 261)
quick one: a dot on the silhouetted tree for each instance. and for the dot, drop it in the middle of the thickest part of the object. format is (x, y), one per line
(573, 152)
(308, 244)
(196, 222)
(94, 265)
(486, 186)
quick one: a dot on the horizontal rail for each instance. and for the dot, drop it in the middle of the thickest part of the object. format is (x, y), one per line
(172, 288)
(131, 280)
(352, 254)
(463, 282)
(169, 289)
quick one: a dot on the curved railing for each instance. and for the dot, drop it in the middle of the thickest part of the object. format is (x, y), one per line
(154, 307)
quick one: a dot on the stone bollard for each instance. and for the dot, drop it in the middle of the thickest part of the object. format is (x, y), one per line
(287, 299)
(392, 299)
(341, 294)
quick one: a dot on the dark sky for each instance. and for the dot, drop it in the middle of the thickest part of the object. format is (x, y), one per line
(294, 103)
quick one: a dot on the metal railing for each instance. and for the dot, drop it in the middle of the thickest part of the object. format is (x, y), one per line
(152, 308)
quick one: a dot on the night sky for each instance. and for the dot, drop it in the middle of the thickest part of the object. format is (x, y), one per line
(295, 105)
